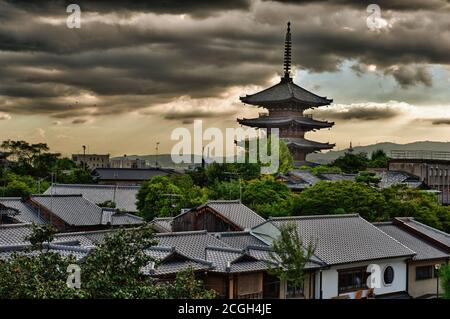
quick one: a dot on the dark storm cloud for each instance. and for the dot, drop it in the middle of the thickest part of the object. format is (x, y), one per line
(410, 75)
(362, 113)
(196, 8)
(189, 115)
(129, 61)
(385, 4)
(79, 121)
(441, 121)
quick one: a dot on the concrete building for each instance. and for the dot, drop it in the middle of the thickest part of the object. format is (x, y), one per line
(91, 161)
(126, 162)
(433, 169)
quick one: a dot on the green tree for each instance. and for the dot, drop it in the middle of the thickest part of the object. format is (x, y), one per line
(107, 204)
(372, 204)
(444, 277)
(40, 235)
(167, 195)
(185, 286)
(290, 256)
(403, 201)
(256, 193)
(352, 163)
(368, 178)
(342, 197)
(379, 159)
(113, 269)
(39, 276)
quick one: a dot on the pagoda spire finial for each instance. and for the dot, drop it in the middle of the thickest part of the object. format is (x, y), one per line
(287, 52)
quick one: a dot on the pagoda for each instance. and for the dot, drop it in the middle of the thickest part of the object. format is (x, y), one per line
(286, 103)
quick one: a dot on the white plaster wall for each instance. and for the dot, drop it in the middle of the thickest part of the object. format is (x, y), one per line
(330, 278)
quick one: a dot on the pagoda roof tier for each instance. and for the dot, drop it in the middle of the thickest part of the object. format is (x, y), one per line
(285, 121)
(286, 94)
(303, 143)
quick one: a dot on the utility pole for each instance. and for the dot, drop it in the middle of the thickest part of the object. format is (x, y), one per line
(84, 157)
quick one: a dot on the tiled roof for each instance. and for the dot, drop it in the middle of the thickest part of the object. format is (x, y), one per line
(263, 253)
(14, 234)
(345, 238)
(228, 260)
(191, 243)
(123, 196)
(239, 239)
(270, 121)
(424, 250)
(129, 174)
(88, 238)
(337, 177)
(162, 224)
(299, 176)
(174, 267)
(26, 214)
(285, 92)
(78, 252)
(390, 178)
(170, 261)
(78, 211)
(306, 144)
(73, 209)
(431, 232)
(125, 219)
(236, 212)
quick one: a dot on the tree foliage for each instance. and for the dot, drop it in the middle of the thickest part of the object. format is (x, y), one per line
(290, 256)
(373, 204)
(112, 270)
(444, 277)
(23, 164)
(355, 162)
(167, 195)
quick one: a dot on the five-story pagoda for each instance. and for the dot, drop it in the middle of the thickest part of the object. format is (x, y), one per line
(286, 103)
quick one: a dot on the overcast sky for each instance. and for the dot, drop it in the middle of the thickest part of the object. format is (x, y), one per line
(132, 73)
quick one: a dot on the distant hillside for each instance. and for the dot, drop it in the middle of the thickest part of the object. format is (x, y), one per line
(324, 158)
(165, 160)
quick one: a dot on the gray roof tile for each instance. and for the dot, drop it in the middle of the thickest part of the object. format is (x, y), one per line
(191, 244)
(307, 144)
(423, 249)
(26, 213)
(345, 238)
(78, 211)
(285, 91)
(390, 178)
(123, 196)
(129, 174)
(162, 224)
(239, 239)
(429, 231)
(14, 234)
(236, 212)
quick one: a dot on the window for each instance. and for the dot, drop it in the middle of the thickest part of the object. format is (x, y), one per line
(388, 275)
(352, 279)
(424, 272)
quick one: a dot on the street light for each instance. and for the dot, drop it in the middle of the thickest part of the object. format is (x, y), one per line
(437, 267)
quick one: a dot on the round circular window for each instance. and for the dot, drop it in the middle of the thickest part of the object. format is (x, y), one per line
(388, 275)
